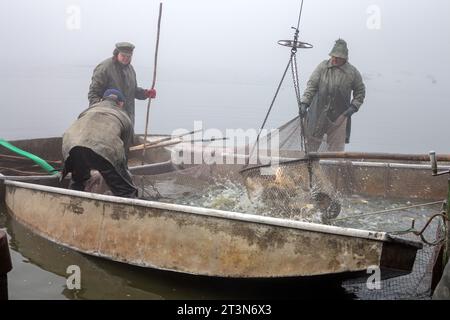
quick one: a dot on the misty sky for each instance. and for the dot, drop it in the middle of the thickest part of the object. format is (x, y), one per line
(236, 36)
(227, 44)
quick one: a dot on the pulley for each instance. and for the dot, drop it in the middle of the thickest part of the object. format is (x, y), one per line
(295, 44)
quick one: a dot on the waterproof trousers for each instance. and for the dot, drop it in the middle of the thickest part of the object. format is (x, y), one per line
(336, 134)
(82, 160)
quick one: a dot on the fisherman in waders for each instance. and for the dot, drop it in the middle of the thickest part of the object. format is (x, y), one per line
(100, 140)
(334, 93)
(118, 73)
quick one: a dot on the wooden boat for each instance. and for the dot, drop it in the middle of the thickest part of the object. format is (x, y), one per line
(208, 242)
(106, 279)
(200, 241)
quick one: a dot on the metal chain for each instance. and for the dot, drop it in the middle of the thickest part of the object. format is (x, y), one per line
(295, 78)
(295, 81)
(294, 69)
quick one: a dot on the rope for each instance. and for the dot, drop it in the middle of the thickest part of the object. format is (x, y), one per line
(388, 211)
(154, 80)
(293, 64)
(269, 111)
(300, 15)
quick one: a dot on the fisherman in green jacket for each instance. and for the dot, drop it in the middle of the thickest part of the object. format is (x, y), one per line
(118, 73)
(100, 140)
(328, 102)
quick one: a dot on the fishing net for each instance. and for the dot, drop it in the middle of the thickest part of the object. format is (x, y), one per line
(351, 194)
(287, 193)
(419, 284)
(297, 189)
(319, 192)
(289, 139)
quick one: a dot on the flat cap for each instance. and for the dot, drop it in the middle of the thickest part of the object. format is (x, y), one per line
(125, 47)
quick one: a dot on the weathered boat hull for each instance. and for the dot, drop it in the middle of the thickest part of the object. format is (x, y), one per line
(216, 243)
(201, 241)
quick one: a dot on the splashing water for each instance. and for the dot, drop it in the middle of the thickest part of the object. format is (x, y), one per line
(228, 195)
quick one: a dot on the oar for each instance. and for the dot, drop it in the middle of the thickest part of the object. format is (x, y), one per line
(39, 161)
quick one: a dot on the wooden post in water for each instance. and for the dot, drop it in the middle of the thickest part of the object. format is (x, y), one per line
(444, 253)
(5, 266)
(447, 242)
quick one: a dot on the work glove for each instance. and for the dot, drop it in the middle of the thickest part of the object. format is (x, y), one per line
(151, 93)
(303, 109)
(350, 111)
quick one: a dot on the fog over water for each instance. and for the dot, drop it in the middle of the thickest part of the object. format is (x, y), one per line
(219, 62)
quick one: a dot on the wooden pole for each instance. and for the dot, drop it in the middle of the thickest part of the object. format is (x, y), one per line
(357, 156)
(141, 146)
(154, 80)
(377, 156)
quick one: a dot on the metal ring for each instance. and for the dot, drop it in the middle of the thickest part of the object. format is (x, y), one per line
(298, 44)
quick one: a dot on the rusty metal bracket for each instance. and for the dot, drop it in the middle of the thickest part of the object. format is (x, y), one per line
(420, 233)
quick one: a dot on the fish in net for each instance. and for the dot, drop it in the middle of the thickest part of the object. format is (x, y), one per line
(291, 192)
(294, 189)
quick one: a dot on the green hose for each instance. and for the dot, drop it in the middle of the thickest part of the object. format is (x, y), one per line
(41, 162)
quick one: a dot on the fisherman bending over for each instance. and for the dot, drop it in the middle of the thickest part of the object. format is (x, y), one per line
(327, 101)
(100, 140)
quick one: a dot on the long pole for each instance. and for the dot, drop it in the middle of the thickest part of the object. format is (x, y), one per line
(377, 156)
(361, 156)
(154, 81)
